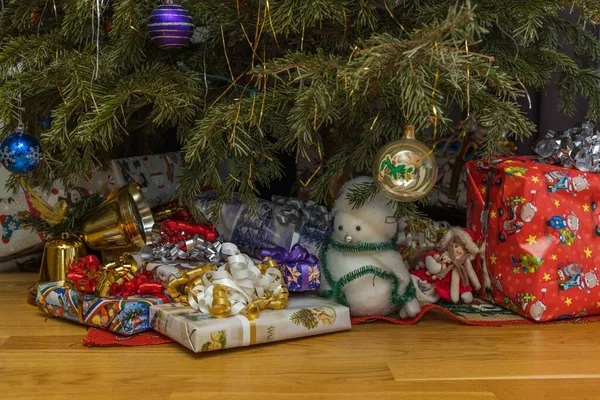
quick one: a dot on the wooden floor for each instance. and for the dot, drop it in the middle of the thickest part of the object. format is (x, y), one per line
(43, 358)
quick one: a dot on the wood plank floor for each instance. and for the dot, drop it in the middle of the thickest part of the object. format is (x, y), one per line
(42, 357)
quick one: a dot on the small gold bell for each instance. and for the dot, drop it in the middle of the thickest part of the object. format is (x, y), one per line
(58, 256)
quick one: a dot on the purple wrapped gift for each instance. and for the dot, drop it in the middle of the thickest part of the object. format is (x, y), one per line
(300, 269)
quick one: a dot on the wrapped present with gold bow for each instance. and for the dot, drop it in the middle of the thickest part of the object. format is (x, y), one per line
(238, 286)
(114, 296)
(304, 315)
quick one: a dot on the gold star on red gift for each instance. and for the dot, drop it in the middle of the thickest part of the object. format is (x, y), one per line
(554, 257)
(557, 203)
(531, 240)
(546, 277)
(493, 214)
(588, 252)
(586, 208)
(535, 179)
(493, 259)
(568, 301)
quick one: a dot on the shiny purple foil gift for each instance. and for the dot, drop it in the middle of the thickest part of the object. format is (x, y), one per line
(300, 269)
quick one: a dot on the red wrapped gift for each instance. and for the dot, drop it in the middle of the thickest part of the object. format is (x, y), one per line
(541, 230)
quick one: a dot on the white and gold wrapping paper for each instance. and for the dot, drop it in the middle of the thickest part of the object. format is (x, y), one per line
(305, 315)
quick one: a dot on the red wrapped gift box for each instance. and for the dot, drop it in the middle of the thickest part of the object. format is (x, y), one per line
(541, 229)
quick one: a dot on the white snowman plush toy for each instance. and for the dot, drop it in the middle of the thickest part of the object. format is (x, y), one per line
(361, 265)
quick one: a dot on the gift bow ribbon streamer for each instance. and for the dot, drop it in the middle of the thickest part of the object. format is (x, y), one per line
(237, 287)
(295, 211)
(298, 256)
(111, 280)
(179, 246)
(578, 146)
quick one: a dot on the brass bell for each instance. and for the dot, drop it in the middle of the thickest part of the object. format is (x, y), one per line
(58, 256)
(122, 222)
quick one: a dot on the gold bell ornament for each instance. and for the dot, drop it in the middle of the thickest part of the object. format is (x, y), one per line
(58, 256)
(122, 223)
(405, 170)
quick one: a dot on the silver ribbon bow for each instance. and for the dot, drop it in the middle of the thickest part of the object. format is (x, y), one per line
(196, 249)
(294, 211)
(577, 147)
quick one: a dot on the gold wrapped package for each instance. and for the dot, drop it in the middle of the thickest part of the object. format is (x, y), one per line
(305, 315)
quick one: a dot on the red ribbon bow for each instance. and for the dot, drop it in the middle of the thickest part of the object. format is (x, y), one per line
(83, 274)
(140, 285)
(89, 276)
(178, 231)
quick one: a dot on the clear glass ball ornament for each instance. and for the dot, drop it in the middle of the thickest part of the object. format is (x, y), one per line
(405, 170)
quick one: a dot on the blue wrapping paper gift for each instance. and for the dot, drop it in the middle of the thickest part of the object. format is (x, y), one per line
(300, 269)
(115, 314)
(282, 222)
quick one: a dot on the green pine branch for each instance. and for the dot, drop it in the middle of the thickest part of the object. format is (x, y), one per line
(326, 74)
(72, 224)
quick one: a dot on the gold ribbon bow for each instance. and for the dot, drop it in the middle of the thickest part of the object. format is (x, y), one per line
(272, 300)
(180, 288)
(119, 273)
(197, 285)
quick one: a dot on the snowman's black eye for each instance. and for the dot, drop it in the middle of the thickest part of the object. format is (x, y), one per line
(358, 228)
(340, 227)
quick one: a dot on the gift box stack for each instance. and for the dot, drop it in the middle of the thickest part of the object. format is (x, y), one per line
(540, 224)
(179, 278)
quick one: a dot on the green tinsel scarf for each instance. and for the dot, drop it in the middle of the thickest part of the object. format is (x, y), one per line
(337, 287)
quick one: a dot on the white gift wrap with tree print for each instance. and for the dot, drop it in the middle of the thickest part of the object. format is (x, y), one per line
(305, 315)
(17, 239)
(156, 174)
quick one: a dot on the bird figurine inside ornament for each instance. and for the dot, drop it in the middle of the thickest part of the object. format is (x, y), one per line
(360, 260)
(405, 170)
(170, 26)
(20, 152)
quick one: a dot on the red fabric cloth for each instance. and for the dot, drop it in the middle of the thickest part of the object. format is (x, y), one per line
(101, 338)
(472, 319)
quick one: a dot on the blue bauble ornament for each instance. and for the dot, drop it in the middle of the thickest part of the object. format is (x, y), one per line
(20, 153)
(170, 26)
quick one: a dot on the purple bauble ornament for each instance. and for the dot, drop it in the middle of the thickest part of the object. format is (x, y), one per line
(170, 26)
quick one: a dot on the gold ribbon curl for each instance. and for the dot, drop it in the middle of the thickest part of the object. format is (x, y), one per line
(53, 215)
(119, 273)
(179, 289)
